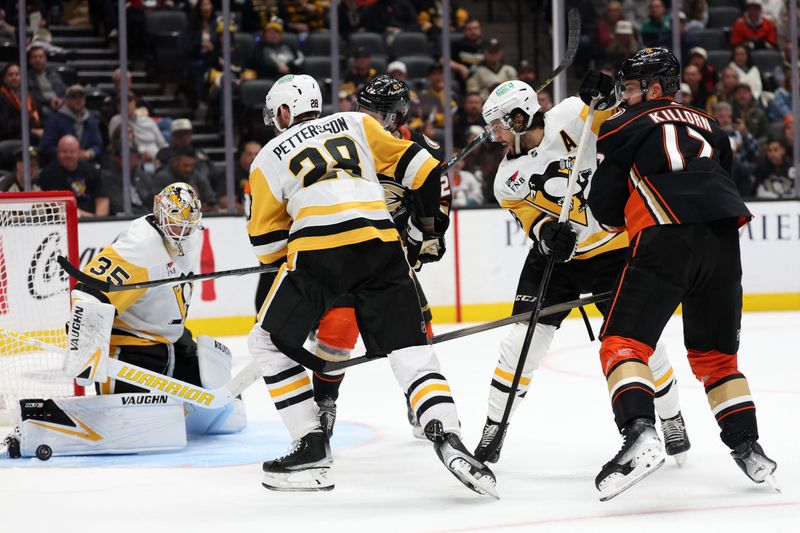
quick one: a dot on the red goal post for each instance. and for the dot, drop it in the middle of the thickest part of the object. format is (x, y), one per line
(35, 228)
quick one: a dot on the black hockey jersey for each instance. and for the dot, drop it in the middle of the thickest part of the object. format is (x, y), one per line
(661, 162)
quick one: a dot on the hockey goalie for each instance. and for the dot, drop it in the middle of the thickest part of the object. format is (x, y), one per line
(144, 328)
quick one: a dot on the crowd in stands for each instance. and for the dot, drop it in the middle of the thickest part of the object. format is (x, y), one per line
(735, 57)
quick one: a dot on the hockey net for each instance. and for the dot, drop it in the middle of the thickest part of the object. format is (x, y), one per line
(35, 228)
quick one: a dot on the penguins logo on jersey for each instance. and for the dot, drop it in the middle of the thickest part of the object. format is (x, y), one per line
(547, 190)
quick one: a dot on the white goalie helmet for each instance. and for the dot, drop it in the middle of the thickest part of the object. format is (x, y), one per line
(177, 211)
(300, 93)
(505, 98)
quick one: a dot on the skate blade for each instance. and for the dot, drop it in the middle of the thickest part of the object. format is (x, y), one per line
(680, 458)
(309, 480)
(418, 433)
(773, 483)
(482, 484)
(651, 461)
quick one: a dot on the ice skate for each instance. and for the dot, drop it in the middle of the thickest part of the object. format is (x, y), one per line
(641, 454)
(676, 440)
(305, 467)
(469, 471)
(416, 429)
(490, 429)
(755, 464)
(327, 415)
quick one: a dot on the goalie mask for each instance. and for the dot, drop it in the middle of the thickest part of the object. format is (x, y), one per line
(386, 97)
(510, 106)
(177, 214)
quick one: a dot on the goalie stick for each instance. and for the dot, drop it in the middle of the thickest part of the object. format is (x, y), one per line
(161, 384)
(563, 217)
(457, 334)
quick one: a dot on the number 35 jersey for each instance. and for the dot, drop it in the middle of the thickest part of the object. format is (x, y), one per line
(532, 185)
(144, 316)
(315, 186)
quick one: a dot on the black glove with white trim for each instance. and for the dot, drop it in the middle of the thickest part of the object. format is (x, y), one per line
(595, 84)
(558, 240)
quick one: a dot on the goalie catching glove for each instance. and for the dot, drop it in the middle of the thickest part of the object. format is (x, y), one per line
(558, 240)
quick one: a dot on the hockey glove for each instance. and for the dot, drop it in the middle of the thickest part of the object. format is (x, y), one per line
(596, 84)
(432, 250)
(413, 242)
(558, 240)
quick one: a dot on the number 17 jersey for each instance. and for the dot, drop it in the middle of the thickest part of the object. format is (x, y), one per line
(315, 186)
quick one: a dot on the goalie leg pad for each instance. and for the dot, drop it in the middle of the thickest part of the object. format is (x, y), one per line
(510, 349)
(89, 336)
(108, 424)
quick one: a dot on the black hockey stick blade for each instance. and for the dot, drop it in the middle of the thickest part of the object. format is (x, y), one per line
(459, 333)
(105, 286)
(573, 39)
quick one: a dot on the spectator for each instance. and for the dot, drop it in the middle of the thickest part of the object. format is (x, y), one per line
(361, 73)
(428, 113)
(241, 175)
(141, 185)
(545, 101)
(686, 94)
(708, 76)
(7, 31)
(182, 139)
(255, 14)
(72, 119)
(145, 131)
(216, 67)
(747, 108)
(388, 16)
(607, 25)
(727, 84)
(351, 18)
(11, 108)
(303, 16)
(788, 133)
(656, 29)
(430, 16)
(16, 183)
(748, 73)
(469, 115)
(397, 70)
(273, 58)
(492, 72)
(702, 98)
(744, 146)
(698, 14)
(468, 52)
(526, 73)
(72, 172)
(201, 44)
(182, 168)
(623, 43)
(775, 177)
(467, 189)
(781, 103)
(636, 11)
(46, 86)
(753, 30)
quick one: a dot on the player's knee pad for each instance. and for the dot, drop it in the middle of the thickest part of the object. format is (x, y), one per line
(108, 424)
(511, 346)
(231, 418)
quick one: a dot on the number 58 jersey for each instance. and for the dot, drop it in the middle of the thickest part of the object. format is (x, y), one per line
(315, 186)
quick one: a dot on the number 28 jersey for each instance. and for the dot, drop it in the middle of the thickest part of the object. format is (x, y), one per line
(315, 186)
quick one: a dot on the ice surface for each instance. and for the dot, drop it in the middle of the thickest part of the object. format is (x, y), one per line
(388, 481)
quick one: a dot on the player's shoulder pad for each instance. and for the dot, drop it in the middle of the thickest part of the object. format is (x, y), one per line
(142, 245)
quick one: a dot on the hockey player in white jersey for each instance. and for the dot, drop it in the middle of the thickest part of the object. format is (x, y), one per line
(317, 201)
(530, 183)
(147, 329)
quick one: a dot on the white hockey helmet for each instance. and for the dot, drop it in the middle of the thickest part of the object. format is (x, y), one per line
(505, 99)
(298, 92)
(177, 211)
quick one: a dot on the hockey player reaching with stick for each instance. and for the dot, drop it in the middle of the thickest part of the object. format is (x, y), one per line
(665, 176)
(530, 182)
(387, 100)
(318, 202)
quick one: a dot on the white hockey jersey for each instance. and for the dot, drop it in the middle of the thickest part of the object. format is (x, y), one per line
(532, 185)
(315, 186)
(144, 316)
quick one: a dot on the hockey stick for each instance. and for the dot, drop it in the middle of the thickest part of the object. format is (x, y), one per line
(563, 217)
(105, 286)
(480, 328)
(159, 383)
(573, 38)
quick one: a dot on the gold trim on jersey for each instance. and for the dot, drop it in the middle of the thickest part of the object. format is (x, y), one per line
(268, 216)
(109, 263)
(524, 211)
(334, 240)
(323, 210)
(599, 117)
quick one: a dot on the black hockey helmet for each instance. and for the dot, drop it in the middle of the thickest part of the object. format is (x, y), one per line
(650, 64)
(385, 95)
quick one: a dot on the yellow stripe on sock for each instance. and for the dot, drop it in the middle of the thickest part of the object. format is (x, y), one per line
(443, 387)
(305, 380)
(663, 379)
(510, 377)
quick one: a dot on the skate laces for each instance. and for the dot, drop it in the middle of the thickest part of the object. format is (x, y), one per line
(294, 447)
(489, 432)
(673, 429)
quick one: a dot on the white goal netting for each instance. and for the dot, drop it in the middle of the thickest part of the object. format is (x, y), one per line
(34, 297)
